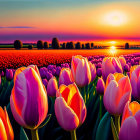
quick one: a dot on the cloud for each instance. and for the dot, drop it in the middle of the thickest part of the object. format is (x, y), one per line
(16, 27)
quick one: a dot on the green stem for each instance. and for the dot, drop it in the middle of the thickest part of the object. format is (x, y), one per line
(101, 97)
(73, 135)
(34, 134)
(117, 123)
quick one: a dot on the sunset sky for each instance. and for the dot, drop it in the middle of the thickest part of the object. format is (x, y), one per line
(85, 20)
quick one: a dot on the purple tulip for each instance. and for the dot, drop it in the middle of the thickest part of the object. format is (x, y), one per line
(42, 72)
(45, 82)
(100, 86)
(58, 69)
(53, 72)
(52, 87)
(9, 74)
(126, 68)
(110, 65)
(65, 77)
(135, 81)
(28, 101)
(99, 72)
(48, 75)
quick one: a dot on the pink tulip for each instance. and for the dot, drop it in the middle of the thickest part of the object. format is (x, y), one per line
(80, 70)
(93, 71)
(70, 109)
(122, 61)
(6, 130)
(65, 77)
(135, 81)
(52, 87)
(100, 86)
(28, 101)
(110, 65)
(117, 93)
(130, 126)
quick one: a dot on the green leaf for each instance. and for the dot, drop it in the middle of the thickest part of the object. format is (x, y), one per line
(46, 121)
(104, 128)
(23, 135)
(114, 131)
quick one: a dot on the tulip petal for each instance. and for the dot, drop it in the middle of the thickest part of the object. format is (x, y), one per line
(129, 130)
(3, 135)
(64, 112)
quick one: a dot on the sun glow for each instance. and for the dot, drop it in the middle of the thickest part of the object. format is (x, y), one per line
(115, 18)
(113, 50)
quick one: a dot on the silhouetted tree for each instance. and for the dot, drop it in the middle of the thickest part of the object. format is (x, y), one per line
(88, 46)
(18, 44)
(92, 45)
(78, 45)
(46, 45)
(83, 46)
(64, 46)
(55, 43)
(40, 44)
(70, 45)
(126, 45)
(30, 46)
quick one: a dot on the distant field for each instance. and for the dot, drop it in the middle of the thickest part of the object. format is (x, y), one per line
(17, 58)
(12, 46)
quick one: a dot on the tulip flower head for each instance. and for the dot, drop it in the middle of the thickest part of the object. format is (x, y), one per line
(110, 65)
(9, 74)
(6, 130)
(130, 126)
(80, 70)
(135, 81)
(122, 61)
(70, 109)
(117, 93)
(28, 99)
(93, 71)
(100, 86)
(65, 77)
(52, 87)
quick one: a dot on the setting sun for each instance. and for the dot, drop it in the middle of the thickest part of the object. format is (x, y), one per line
(115, 18)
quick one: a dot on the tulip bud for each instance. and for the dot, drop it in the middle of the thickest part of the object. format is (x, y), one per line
(52, 87)
(110, 65)
(80, 70)
(122, 61)
(100, 86)
(6, 130)
(28, 101)
(117, 93)
(65, 77)
(9, 74)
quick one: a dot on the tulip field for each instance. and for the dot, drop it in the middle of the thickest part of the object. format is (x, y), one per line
(69, 96)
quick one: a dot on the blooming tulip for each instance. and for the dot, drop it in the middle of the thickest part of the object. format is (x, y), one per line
(45, 82)
(6, 130)
(130, 126)
(122, 61)
(28, 99)
(110, 65)
(70, 109)
(117, 93)
(93, 71)
(65, 77)
(135, 81)
(100, 86)
(81, 70)
(52, 87)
